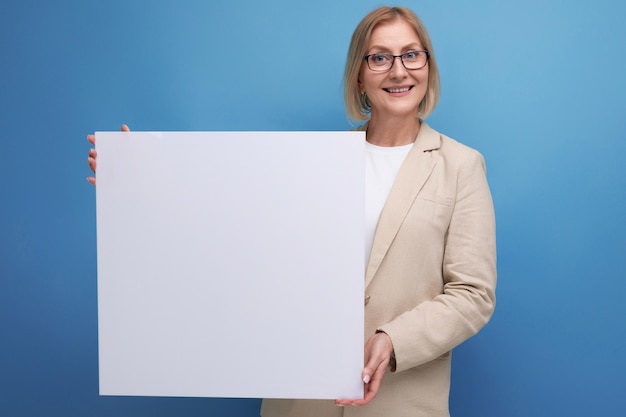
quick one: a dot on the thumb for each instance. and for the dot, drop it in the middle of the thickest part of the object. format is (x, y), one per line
(366, 376)
(125, 128)
(368, 370)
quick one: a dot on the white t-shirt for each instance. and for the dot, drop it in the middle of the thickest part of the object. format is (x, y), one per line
(382, 164)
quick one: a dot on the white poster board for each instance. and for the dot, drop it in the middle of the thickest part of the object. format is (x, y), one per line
(230, 264)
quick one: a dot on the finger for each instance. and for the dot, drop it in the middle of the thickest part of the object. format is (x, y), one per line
(91, 160)
(92, 139)
(374, 364)
(367, 373)
(371, 385)
(372, 388)
(92, 180)
(377, 354)
(125, 128)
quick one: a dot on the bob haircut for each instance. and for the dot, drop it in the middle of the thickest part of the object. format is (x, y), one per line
(358, 106)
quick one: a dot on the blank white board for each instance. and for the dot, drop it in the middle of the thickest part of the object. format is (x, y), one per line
(230, 264)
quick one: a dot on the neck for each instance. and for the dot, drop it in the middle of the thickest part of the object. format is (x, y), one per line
(392, 132)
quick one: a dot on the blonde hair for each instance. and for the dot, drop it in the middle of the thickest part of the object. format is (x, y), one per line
(357, 105)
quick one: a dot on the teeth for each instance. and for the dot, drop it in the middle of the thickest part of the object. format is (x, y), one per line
(398, 90)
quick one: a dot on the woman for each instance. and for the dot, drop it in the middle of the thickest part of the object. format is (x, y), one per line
(431, 275)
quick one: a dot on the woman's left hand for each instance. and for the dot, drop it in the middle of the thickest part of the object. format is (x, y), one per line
(378, 351)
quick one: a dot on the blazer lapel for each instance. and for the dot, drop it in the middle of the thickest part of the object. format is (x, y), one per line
(414, 172)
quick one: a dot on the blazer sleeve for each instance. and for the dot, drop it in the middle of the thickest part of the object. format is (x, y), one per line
(467, 301)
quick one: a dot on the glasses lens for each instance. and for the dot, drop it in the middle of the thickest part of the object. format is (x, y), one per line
(414, 59)
(379, 62)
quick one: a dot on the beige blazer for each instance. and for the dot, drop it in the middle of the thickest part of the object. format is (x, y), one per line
(430, 281)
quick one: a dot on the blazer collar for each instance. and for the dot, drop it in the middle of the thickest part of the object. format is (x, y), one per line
(414, 171)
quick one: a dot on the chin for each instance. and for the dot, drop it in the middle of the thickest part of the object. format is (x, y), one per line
(412, 112)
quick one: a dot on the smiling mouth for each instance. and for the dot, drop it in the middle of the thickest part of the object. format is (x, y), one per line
(397, 90)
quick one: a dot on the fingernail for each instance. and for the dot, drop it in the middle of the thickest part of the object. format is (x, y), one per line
(366, 379)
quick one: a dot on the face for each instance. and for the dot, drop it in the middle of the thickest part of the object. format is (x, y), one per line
(397, 92)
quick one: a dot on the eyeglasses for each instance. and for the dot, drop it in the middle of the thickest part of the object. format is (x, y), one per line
(411, 60)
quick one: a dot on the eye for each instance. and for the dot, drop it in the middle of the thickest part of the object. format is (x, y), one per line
(411, 55)
(379, 58)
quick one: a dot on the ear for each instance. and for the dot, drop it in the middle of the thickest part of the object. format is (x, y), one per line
(360, 86)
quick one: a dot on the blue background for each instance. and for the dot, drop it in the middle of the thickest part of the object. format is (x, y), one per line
(537, 86)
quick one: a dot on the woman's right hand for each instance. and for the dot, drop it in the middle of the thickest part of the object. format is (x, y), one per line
(91, 159)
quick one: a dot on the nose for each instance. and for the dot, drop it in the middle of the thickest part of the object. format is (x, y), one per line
(397, 68)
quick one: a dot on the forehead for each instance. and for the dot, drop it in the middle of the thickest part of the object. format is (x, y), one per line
(396, 34)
